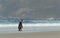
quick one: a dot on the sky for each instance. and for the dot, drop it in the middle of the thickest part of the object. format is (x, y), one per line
(30, 9)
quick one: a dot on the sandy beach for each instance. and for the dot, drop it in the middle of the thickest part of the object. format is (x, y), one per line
(32, 35)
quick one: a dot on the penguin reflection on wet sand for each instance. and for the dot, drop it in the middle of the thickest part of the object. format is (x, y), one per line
(20, 26)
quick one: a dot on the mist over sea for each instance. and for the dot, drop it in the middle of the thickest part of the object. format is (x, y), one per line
(11, 25)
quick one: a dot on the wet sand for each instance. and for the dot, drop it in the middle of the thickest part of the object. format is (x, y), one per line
(32, 35)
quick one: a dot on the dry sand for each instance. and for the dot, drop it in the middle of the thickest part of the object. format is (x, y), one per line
(32, 35)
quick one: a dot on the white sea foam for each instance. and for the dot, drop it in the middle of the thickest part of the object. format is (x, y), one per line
(30, 27)
(30, 24)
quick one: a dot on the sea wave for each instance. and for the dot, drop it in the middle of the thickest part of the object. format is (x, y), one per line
(30, 24)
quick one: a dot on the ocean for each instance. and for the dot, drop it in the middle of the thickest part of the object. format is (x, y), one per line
(11, 26)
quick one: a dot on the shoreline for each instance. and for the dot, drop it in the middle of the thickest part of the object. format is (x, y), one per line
(54, 34)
